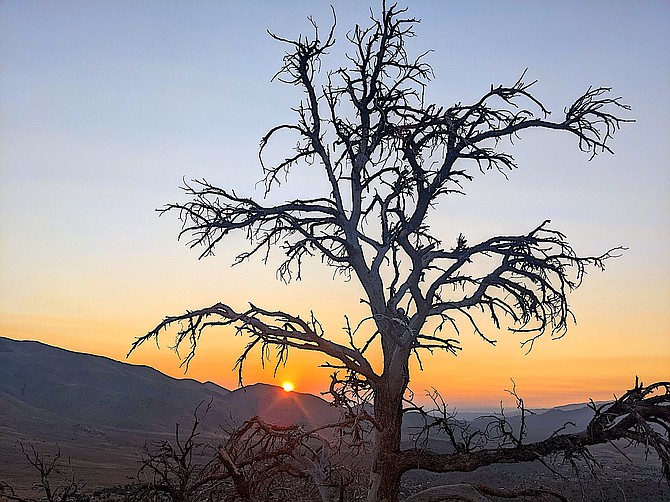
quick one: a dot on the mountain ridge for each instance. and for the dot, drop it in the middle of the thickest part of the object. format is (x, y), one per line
(59, 384)
(52, 383)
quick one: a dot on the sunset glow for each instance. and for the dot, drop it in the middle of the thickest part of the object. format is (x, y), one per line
(91, 146)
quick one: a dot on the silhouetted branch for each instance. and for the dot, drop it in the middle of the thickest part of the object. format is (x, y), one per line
(640, 417)
(529, 285)
(265, 329)
(260, 456)
(179, 468)
(53, 485)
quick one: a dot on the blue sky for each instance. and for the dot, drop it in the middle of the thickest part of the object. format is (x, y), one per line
(106, 105)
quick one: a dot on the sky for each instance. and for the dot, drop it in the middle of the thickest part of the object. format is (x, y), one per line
(105, 106)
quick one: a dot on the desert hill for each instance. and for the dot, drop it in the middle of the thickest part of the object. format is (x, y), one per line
(99, 412)
(96, 391)
(41, 384)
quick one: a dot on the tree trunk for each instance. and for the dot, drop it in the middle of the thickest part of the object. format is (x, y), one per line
(385, 473)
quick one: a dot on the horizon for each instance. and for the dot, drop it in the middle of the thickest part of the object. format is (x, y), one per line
(509, 408)
(104, 110)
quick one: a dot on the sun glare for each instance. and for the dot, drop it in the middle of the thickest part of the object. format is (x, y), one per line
(288, 386)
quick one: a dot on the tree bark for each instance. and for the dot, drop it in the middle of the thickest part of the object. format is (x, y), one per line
(386, 470)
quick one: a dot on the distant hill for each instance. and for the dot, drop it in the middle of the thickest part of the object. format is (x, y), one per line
(41, 384)
(279, 407)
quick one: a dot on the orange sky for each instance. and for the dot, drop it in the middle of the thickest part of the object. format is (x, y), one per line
(104, 109)
(600, 356)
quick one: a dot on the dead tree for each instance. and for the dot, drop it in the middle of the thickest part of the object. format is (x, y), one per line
(266, 462)
(253, 462)
(184, 469)
(388, 157)
(53, 484)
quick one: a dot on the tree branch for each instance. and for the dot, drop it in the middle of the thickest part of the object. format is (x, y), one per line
(265, 329)
(640, 416)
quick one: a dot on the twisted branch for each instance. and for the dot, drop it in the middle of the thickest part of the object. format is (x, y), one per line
(640, 417)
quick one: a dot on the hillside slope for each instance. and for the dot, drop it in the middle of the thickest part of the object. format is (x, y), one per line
(95, 390)
(41, 384)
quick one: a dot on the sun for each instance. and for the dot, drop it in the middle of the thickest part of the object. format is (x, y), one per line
(288, 386)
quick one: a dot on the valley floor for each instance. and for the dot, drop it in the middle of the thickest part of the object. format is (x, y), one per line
(109, 458)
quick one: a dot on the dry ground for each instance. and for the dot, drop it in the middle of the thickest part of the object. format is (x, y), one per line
(617, 479)
(109, 458)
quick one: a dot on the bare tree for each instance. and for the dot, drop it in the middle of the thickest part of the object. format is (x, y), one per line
(53, 484)
(253, 462)
(388, 158)
(268, 462)
(183, 469)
